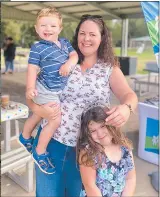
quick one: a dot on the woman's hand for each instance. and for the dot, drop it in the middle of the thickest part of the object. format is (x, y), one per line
(49, 111)
(118, 115)
(52, 110)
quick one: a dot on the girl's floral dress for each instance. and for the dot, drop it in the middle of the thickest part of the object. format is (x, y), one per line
(110, 178)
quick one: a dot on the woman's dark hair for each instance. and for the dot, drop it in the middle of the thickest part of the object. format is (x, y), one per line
(105, 50)
(87, 148)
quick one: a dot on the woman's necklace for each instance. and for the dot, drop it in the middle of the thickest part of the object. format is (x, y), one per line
(85, 67)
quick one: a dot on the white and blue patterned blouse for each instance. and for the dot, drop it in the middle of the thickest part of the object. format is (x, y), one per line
(110, 177)
(49, 57)
(83, 89)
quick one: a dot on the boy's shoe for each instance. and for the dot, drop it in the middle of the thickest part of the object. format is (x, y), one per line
(27, 143)
(44, 163)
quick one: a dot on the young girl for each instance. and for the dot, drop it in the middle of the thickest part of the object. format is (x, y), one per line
(105, 157)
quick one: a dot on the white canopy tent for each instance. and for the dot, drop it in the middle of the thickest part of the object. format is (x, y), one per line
(72, 11)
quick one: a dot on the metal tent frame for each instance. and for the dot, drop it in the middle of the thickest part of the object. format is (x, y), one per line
(72, 11)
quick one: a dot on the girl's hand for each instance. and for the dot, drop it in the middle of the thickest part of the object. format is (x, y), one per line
(118, 115)
(52, 110)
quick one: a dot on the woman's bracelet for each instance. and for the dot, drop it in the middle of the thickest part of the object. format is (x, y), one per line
(130, 108)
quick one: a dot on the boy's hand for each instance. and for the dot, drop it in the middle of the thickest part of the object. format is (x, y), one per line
(31, 93)
(65, 70)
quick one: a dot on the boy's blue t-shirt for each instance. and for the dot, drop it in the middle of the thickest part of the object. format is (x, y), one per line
(49, 57)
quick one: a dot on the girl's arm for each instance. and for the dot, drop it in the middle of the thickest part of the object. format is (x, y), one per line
(88, 175)
(119, 115)
(130, 182)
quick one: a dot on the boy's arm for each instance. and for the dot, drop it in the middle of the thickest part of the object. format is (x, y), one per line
(130, 182)
(70, 64)
(33, 67)
(88, 175)
(73, 59)
(31, 76)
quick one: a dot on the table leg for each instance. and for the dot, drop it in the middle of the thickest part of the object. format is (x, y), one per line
(149, 76)
(7, 136)
(25, 180)
(17, 127)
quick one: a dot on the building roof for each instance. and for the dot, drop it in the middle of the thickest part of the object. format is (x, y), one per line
(72, 10)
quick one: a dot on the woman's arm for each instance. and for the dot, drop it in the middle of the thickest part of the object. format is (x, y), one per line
(88, 175)
(121, 89)
(130, 182)
(120, 114)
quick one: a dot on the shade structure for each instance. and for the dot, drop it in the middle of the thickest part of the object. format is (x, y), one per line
(71, 10)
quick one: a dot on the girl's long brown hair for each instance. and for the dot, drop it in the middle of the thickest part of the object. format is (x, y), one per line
(87, 148)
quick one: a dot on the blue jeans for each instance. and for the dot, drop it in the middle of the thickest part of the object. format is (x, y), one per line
(9, 65)
(66, 181)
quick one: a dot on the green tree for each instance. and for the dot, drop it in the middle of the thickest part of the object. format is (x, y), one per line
(3, 34)
(11, 28)
(24, 33)
(115, 28)
(28, 35)
(68, 30)
(137, 28)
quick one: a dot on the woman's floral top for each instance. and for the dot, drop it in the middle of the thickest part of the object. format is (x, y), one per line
(110, 177)
(82, 90)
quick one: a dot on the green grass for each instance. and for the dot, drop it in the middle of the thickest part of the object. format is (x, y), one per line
(142, 58)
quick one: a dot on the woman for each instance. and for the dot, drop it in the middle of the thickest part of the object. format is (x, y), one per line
(90, 82)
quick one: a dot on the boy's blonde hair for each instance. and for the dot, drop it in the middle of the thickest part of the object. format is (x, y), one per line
(49, 11)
